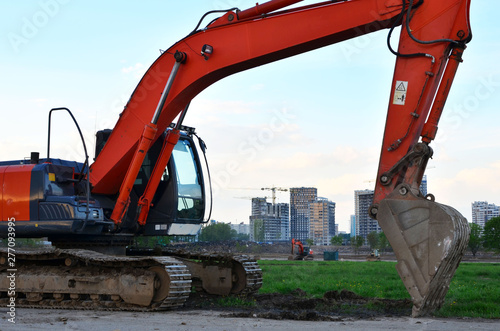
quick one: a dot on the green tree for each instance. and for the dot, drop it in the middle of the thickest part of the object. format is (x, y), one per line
(258, 230)
(242, 236)
(217, 232)
(475, 239)
(491, 234)
(372, 239)
(383, 243)
(309, 242)
(356, 243)
(337, 240)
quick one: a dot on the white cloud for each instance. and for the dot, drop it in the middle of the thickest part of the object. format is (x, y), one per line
(137, 70)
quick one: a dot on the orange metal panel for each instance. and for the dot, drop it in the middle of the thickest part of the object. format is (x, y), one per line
(16, 192)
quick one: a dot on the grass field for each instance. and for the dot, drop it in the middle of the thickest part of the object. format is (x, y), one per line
(474, 290)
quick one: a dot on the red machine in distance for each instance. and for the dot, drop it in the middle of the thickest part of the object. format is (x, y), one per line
(301, 253)
(134, 187)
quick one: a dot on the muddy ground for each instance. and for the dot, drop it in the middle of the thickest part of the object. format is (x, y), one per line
(342, 310)
(335, 311)
(298, 305)
(333, 306)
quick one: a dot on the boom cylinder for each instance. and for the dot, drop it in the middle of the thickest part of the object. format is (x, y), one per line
(431, 126)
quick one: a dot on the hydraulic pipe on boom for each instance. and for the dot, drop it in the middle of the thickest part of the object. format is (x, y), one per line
(123, 199)
(431, 126)
(146, 139)
(166, 151)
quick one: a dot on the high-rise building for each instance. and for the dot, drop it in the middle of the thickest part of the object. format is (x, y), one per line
(423, 185)
(353, 225)
(300, 197)
(321, 221)
(269, 222)
(482, 211)
(364, 223)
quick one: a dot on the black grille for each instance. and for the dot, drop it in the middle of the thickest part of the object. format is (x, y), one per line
(56, 211)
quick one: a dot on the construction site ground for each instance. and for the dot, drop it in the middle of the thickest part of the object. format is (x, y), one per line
(339, 310)
(208, 320)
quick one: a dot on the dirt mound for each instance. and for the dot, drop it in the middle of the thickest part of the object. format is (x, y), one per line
(298, 305)
(233, 247)
(342, 295)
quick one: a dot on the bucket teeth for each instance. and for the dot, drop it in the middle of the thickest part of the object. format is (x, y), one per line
(429, 240)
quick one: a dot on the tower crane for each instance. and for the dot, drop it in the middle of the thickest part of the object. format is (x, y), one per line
(274, 189)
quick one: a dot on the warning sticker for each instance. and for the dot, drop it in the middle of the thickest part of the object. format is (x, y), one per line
(400, 92)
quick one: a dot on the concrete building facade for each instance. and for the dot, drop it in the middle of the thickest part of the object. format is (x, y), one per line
(482, 211)
(321, 221)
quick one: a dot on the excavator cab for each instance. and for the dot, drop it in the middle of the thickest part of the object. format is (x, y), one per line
(179, 204)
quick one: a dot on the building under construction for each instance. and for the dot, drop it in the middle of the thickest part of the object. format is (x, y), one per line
(269, 222)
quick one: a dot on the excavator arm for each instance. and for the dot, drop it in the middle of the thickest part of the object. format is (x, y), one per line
(429, 239)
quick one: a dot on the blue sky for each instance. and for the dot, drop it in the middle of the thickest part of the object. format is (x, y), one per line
(313, 120)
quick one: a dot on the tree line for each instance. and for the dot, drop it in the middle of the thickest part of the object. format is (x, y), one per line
(376, 240)
(220, 232)
(487, 238)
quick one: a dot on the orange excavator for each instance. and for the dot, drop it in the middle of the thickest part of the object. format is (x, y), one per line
(302, 252)
(147, 178)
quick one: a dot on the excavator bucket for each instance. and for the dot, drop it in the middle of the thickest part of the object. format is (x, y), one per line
(429, 240)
